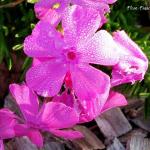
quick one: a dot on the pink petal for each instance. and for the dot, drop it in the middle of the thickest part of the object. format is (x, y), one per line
(7, 132)
(79, 24)
(89, 82)
(44, 41)
(1, 145)
(33, 134)
(101, 6)
(65, 98)
(67, 80)
(26, 100)
(100, 49)
(127, 46)
(114, 100)
(21, 130)
(6, 116)
(44, 7)
(7, 123)
(46, 78)
(67, 134)
(109, 1)
(87, 109)
(37, 61)
(50, 16)
(133, 63)
(55, 115)
(36, 137)
(126, 72)
(90, 109)
(96, 4)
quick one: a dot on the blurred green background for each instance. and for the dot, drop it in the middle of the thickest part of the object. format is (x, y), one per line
(17, 19)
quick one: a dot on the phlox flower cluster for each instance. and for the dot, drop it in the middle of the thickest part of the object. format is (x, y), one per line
(66, 44)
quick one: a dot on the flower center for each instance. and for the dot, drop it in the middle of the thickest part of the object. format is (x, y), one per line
(71, 55)
(56, 6)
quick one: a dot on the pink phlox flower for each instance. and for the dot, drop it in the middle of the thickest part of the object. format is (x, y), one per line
(7, 124)
(132, 63)
(89, 110)
(71, 54)
(51, 117)
(52, 10)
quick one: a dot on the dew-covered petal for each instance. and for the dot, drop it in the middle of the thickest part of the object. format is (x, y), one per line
(128, 70)
(79, 24)
(127, 46)
(51, 16)
(37, 61)
(26, 100)
(89, 82)
(101, 6)
(132, 64)
(44, 41)
(46, 78)
(43, 7)
(67, 134)
(115, 99)
(94, 107)
(100, 49)
(56, 115)
(109, 1)
(90, 109)
(7, 123)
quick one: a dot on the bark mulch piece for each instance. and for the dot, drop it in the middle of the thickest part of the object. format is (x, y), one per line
(116, 145)
(138, 142)
(113, 123)
(91, 141)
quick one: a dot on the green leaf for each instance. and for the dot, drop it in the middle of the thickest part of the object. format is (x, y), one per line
(17, 47)
(9, 64)
(32, 1)
(147, 108)
(25, 67)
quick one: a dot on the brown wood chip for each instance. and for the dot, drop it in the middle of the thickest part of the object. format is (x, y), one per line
(116, 145)
(113, 123)
(90, 142)
(126, 137)
(142, 123)
(138, 143)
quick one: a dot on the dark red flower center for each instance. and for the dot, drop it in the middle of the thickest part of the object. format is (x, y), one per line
(71, 55)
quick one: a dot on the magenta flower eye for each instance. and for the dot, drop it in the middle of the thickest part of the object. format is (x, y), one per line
(71, 55)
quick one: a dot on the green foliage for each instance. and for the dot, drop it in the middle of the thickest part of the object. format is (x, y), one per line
(16, 22)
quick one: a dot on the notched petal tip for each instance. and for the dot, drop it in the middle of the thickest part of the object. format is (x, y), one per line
(133, 62)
